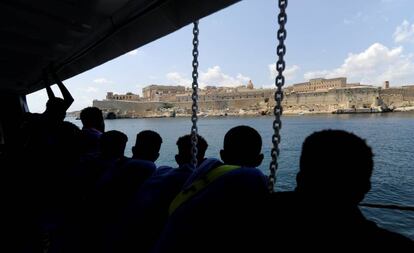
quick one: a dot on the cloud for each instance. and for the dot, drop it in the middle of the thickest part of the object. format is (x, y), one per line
(213, 76)
(404, 32)
(102, 80)
(373, 66)
(289, 73)
(133, 52)
(177, 79)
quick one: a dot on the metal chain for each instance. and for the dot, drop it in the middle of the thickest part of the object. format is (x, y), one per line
(279, 82)
(194, 97)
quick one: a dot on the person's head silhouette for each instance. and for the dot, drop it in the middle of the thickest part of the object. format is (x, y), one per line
(184, 149)
(335, 168)
(91, 117)
(56, 109)
(242, 146)
(113, 144)
(147, 146)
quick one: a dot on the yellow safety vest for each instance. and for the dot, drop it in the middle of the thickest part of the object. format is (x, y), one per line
(199, 185)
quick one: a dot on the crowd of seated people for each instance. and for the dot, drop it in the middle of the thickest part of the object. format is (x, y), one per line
(78, 192)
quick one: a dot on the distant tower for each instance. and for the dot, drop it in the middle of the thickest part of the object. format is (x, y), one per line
(386, 85)
(250, 85)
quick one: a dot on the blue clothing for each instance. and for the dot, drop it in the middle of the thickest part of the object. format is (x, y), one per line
(224, 214)
(298, 220)
(147, 214)
(114, 191)
(162, 170)
(90, 140)
(207, 165)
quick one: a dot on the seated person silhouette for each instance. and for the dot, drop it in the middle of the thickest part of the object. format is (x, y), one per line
(130, 173)
(147, 146)
(142, 164)
(111, 159)
(322, 213)
(145, 217)
(93, 127)
(104, 192)
(220, 204)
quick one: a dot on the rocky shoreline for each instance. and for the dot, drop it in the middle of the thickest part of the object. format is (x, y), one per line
(173, 114)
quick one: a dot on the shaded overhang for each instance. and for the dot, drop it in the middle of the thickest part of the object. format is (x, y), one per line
(73, 36)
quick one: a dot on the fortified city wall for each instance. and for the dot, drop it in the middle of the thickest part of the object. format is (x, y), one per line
(318, 95)
(398, 97)
(340, 98)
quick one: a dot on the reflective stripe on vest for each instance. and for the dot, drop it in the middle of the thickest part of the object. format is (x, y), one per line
(199, 185)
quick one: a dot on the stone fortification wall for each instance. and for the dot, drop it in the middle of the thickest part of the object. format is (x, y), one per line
(319, 101)
(129, 108)
(221, 105)
(364, 97)
(398, 97)
(147, 109)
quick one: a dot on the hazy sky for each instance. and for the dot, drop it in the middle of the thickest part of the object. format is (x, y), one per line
(368, 41)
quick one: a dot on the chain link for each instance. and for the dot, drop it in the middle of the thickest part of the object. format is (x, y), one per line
(279, 82)
(194, 97)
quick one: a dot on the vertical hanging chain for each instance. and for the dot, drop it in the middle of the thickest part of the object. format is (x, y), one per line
(194, 97)
(279, 82)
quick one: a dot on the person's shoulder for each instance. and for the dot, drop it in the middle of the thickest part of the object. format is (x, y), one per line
(389, 239)
(162, 170)
(244, 180)
(203, 169)
(369, 235)
(91, 132)
(248, 173)
(131, 162)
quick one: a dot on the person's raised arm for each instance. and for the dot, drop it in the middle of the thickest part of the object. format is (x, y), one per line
(67, 97)
(49, 91)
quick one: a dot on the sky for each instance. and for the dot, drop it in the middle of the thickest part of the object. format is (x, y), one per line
(367, 41)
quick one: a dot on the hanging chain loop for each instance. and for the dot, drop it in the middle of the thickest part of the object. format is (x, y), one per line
(279, 82)
(194, 97)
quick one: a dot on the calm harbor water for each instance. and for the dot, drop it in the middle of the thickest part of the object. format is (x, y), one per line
(391, 137)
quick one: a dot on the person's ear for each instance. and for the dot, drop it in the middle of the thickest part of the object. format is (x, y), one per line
(258, 160)
(223, 155)
(367, 187)
(178, 159)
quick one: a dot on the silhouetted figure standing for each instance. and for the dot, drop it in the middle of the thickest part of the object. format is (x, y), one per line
(41, 137)
(36, 127)
(93, 127)
(219, 207)
(322, 213)
(146, 215)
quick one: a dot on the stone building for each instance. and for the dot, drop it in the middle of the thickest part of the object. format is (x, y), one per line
(162, 92)
(319, 84)
(228, 94)
(129, 96)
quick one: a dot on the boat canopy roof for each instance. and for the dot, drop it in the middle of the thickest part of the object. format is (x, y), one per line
(73, 36)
